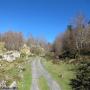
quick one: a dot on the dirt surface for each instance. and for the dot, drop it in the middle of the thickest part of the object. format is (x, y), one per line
(38, 70)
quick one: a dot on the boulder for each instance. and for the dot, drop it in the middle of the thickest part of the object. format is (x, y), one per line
(10, 56)
(16, 54)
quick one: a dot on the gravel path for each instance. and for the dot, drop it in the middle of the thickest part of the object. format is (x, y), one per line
(38, 70)
(53, 85)
(35, 77)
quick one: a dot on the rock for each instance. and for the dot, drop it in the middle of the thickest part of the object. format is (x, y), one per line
(72, 60)
(16, 54)
(13, 85)
(3, 84)
(10, 56)
(0, 65)
(60, 75)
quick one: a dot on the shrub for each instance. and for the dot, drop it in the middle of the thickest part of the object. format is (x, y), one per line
(82, 79)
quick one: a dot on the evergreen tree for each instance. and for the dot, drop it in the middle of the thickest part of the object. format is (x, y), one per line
(82, 79)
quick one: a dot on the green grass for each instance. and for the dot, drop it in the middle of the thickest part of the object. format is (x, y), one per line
(43, 84)
(63, 69)
(11, 72)
(25, 82)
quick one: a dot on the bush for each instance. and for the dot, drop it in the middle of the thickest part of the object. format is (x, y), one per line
(82, 79)
(49, 55)
(23, 55)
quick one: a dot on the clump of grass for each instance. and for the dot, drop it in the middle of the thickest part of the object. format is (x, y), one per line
(43, 84)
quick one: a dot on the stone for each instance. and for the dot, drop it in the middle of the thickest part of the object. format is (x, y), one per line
(16, 54)
(2, 84)
(0, 65)
(10, 56)
(13, 85)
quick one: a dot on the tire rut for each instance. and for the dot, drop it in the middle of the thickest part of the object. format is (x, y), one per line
(38, 70)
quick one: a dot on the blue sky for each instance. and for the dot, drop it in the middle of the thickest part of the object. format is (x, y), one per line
(44, 18)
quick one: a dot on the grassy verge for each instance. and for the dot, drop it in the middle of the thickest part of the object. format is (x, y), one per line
(43, 84)
(25, 82)
(11, 72)
(62, 73)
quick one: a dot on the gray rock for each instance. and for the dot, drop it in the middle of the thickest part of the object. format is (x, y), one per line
(2, 84)
(10, 56)
(13, 85)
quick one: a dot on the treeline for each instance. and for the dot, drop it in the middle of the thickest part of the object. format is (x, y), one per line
(15, 40)
(75, 41)
(12, 40)
(38, 46)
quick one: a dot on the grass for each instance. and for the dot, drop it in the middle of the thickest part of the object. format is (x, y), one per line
(11, 72)
(43, 84)
(25, 82)
(63, 69)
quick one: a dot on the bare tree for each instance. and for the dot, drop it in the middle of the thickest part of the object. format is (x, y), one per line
(13, 40)
(57, 46)
(31, 41)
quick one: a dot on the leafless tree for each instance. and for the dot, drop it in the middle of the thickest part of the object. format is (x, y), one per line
(13, 40)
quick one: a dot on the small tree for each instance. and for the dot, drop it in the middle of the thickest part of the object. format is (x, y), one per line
(68, 43)
(13, 40)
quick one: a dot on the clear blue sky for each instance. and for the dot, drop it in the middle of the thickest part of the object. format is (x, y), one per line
(44, 18)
